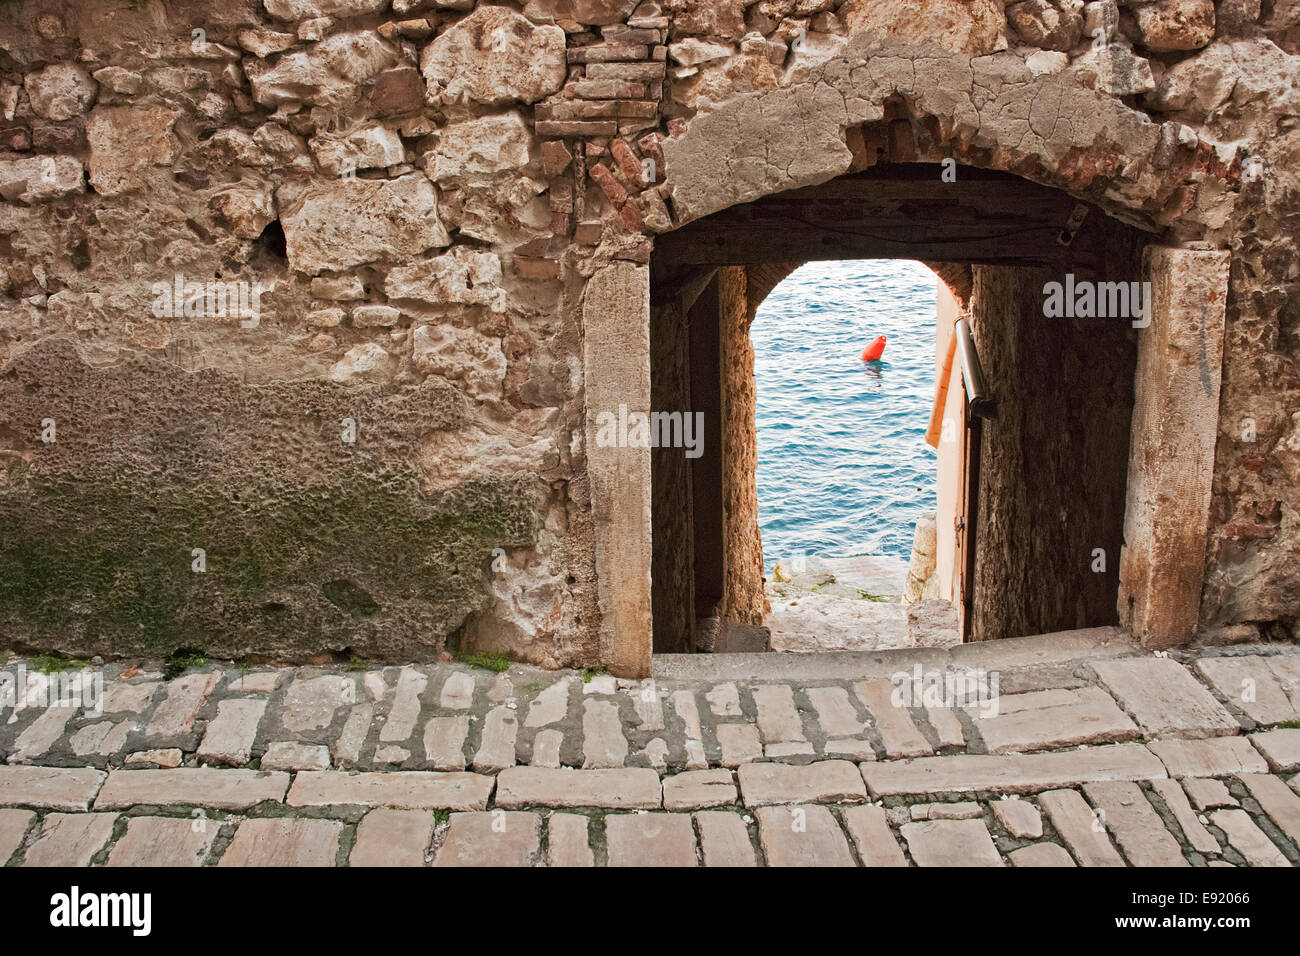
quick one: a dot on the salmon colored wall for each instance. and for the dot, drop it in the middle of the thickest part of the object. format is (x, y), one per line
(950, 450)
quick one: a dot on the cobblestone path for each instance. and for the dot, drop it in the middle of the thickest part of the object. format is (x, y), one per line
(1091, 753)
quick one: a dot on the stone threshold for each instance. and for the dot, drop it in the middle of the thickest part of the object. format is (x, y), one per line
(1040, 649)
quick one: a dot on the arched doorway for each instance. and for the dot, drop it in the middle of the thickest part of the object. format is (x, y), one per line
(1053, 470)
(767, 178)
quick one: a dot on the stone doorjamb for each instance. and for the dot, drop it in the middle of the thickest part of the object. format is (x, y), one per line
(1171, 449)
(1171, 453)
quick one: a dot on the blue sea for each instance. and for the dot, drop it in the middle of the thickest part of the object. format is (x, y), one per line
(843, 467)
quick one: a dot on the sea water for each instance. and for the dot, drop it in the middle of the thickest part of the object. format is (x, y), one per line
(843, 467)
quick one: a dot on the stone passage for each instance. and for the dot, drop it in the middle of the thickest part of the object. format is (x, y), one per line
(1092, 754)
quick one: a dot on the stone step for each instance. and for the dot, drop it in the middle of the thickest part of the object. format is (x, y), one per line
(1022, 773)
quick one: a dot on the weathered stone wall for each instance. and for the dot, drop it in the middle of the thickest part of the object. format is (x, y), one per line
(1053, 463)
(421, 191)
(743, 597)
(672, 500)
(708, 552)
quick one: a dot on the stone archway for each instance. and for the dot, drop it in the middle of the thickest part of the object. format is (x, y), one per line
(867, 103)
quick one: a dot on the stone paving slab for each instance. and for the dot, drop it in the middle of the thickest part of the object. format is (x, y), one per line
(198, 786)
(1250, 683)
(802, 836)
(567, 841)
(287, 755)
(740, 744)
(1049, 720)
(1194, 831)
(868, 827)
(1164, 698)
(14, 825)
(163, 841)
(1041, 854)
(1134, 824)
(724, 839)
(1277, 800)
(175, 715)
(1021, 773)
(229, 736)
(392, 838)
(901, 736)
(650, 839)
(1213, 757)
(804, 760)
(827, 781)
(284, 842)
(1083, 830)
(401, 790)
(699, 789)
(491, 839)
(70, 839)
(49, 788)
(628, 789)
(1020, 818)
(1207, 794)
(950, 843)
(1281, 748)
(1248, 839)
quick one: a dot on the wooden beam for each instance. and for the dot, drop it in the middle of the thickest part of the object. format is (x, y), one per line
(990, 219)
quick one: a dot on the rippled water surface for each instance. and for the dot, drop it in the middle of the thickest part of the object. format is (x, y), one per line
(843, 467)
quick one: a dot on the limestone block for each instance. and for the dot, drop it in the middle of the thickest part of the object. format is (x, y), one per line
(480, 147)
(1044, 25)
(495, 56)
(371, 147)
(977, 27)
(124, 141)
(335, 224)
(60, 91)
(616, 351)
(330, 74)
(1168, 25)
(461, 277)
(593, 12)
(38, 178)
(249, 210)
(309, 9)
(367, 362)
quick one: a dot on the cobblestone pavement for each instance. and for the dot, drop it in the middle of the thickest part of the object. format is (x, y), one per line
(1096, 755)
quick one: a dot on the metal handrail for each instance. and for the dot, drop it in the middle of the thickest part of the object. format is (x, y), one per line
(972, 374)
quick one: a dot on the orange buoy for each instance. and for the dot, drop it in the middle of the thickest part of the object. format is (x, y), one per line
(874, 350)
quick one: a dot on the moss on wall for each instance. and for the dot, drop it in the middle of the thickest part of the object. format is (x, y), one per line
(310, 546)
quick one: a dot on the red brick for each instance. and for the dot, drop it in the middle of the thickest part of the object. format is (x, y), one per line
(613, 190)
(609, 52)
(536, 268)
(555, 157)
(577, 128)
(628, 162)
(399, 90)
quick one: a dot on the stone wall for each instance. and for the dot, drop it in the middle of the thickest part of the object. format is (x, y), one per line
(412, 197)
(743, 598)
(1053, 463)
(708, 552)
